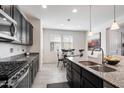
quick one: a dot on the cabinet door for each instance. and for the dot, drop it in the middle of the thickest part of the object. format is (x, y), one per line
(24, 28)
(87, 84)
(17, 17)
(7, 9)
(30, 34)
(76, 79)
(69, 76)
(94, 80)
(69, 72)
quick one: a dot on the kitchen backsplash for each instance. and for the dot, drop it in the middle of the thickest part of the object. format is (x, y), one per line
(8, 50)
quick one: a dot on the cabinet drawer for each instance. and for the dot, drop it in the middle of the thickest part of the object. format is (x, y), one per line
(76, 78)
(96, 81)
(76, 67)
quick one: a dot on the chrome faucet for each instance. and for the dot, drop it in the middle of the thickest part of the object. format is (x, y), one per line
(103, 62)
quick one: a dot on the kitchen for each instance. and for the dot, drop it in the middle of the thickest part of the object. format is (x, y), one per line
(31, 43)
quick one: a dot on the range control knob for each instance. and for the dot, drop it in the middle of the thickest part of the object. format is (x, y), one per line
(14, 78)
(22, 71)
(18, 75)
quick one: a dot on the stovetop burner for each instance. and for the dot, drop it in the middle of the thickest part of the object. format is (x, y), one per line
(8, 69)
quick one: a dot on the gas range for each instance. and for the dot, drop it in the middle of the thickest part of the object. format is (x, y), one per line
(11, 72)
(8, 69)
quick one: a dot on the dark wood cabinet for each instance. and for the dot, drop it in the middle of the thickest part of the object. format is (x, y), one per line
(92, 79)
(28, 33)
(78, 77)
(86, 84)
(34, 67)
(29, 36)
(17, 16)
(24, 31)
(7, 9)
(69, 72)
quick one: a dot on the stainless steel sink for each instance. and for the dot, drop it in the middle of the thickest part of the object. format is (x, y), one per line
(87, 63)
(102, 68)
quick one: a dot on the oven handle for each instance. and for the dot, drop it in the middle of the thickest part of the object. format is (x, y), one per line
(14, 85)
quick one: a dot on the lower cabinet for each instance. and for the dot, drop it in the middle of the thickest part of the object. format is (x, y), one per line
(69, 73)
(86, 84)
(34, 67)
(76, 79)
(80, 78)
(30, 75)
(91, 79)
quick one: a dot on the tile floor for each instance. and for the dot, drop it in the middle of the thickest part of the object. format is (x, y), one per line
(48, 74)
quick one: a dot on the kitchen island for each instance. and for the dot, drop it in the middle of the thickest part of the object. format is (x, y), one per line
(83, 76)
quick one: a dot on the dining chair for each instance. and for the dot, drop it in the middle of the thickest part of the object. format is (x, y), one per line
(60, 58)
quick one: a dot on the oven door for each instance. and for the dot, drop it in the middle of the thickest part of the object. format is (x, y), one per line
(23, 82)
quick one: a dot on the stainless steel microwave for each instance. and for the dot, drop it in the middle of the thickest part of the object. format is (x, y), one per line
(7, 27)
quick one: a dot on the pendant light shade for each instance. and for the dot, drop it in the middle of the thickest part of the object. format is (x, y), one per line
(90, 32)
(114, 25)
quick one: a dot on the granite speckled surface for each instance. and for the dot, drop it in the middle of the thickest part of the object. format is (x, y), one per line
(21, 57)
(115, 78)
(18, 58)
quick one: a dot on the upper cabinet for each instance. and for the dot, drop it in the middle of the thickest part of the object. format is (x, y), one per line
(17, 16)
(29, 34)
(7, 9)
(24, 29)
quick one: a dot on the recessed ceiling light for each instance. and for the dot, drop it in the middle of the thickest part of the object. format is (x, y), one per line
(74, 10)
(44, 6)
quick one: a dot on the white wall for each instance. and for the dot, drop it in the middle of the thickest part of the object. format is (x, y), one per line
(79, 42)
(5, 49)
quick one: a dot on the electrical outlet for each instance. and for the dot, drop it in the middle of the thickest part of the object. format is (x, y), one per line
(11, 50)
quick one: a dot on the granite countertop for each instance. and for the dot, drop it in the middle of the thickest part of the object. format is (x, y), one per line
(115, 78)
(20, 58)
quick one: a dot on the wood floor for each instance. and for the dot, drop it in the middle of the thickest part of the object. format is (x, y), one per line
(48, 74)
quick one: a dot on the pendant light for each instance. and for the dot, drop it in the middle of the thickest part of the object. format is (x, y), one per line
(114, 25)
(90, 32)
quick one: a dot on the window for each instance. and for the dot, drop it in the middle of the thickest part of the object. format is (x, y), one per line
(58, 42)
(67, 41)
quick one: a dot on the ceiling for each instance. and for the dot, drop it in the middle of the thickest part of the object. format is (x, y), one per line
(55, 16)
